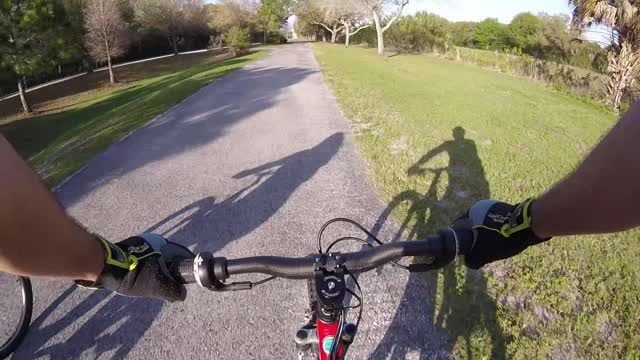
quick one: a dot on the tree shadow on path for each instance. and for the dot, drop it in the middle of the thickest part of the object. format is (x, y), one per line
(118, 323)
(454, 299)
(199, 120)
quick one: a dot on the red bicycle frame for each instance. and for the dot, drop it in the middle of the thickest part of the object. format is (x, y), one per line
(326, 296)
(326, 336)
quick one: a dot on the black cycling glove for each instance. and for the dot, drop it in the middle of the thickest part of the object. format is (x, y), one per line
(500, 231)
(137, 266)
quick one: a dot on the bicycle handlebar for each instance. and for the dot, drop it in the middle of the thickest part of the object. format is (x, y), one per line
(210, 272)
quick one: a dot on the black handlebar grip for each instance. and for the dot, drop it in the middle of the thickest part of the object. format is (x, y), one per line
(183, 271)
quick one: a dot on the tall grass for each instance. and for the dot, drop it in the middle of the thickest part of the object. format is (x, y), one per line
(565, 78)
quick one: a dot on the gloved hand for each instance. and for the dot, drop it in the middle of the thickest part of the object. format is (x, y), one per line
(500, 231)
(137, 266)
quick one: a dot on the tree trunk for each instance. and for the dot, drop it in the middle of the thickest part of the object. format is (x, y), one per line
(334, 34)
(88, 64)
(174, 42)
(346, 35)
(380, 33)
(23, 97)
(112, 77)
(324, 37)
(622, 65)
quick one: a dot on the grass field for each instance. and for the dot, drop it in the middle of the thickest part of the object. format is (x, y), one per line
(439, 135)
(87, 116)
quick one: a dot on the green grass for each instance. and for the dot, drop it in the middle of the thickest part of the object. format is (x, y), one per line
(575, 297)
(57, 144)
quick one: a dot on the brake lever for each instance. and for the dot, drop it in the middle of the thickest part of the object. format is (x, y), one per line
(235, 286)
(435, 264)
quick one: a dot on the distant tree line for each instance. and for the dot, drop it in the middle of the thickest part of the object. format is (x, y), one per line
(345, 18)
(554, 38)
(41, 40)
(545, 37)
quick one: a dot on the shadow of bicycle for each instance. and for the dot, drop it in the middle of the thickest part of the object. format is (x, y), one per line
(110, 326)
(454, 299)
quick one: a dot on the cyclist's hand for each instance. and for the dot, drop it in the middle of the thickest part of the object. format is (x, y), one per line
(137, 266)
(500, 231)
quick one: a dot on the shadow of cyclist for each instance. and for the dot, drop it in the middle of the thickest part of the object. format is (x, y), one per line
(118, 322)
(454, 299)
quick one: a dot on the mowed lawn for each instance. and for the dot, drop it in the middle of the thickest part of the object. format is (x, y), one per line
(438, 136)
(76, 120)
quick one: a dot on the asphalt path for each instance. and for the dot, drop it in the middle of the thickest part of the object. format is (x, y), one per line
(252, 164)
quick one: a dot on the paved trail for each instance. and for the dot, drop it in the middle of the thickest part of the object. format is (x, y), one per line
(252, 164)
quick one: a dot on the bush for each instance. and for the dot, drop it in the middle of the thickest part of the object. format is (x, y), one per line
(238, 40)
(422, 32)
(366, 36)
(216, 41)
(276, 38)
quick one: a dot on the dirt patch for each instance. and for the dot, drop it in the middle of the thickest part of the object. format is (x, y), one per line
(607, 330)
(544, 315)
(399, 145)
(514, 303)
(563, 352)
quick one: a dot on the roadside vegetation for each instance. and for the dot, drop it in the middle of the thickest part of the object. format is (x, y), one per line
(542, 47)
(45, 40)
(439, 135)
(69, 131)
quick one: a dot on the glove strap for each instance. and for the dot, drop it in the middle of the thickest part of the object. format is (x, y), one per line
(520, 223)
(116, 264)
(520, 219)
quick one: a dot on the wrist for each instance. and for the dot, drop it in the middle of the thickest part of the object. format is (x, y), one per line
(539, 225)
(95, 259)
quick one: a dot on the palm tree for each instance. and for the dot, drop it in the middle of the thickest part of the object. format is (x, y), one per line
(623, 17)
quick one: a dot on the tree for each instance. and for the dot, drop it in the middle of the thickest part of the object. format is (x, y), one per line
(306, 26)
(31, 38)
(272, 15)
(462, 33)
(316, 16)
(74, 13)
(195, 19)
(228, 14)
(489, 35)
(106, 32)
(378, 10)
(420, 32)
(623, 17)
(351, 18)
(524, 31)
(238, 40)
(163, 16)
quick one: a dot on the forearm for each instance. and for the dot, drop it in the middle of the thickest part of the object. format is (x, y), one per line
(603, 194)
(37, 237)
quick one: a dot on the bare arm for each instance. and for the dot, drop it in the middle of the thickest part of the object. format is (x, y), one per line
(415, 168)
(36, 236)
(603, 194)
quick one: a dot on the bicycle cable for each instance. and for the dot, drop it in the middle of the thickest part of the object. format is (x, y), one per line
(361, 228)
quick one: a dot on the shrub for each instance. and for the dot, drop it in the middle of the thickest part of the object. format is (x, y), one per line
(238, 40)
(276, 38)
(422, 32)
(366, 36)
(215, 41)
